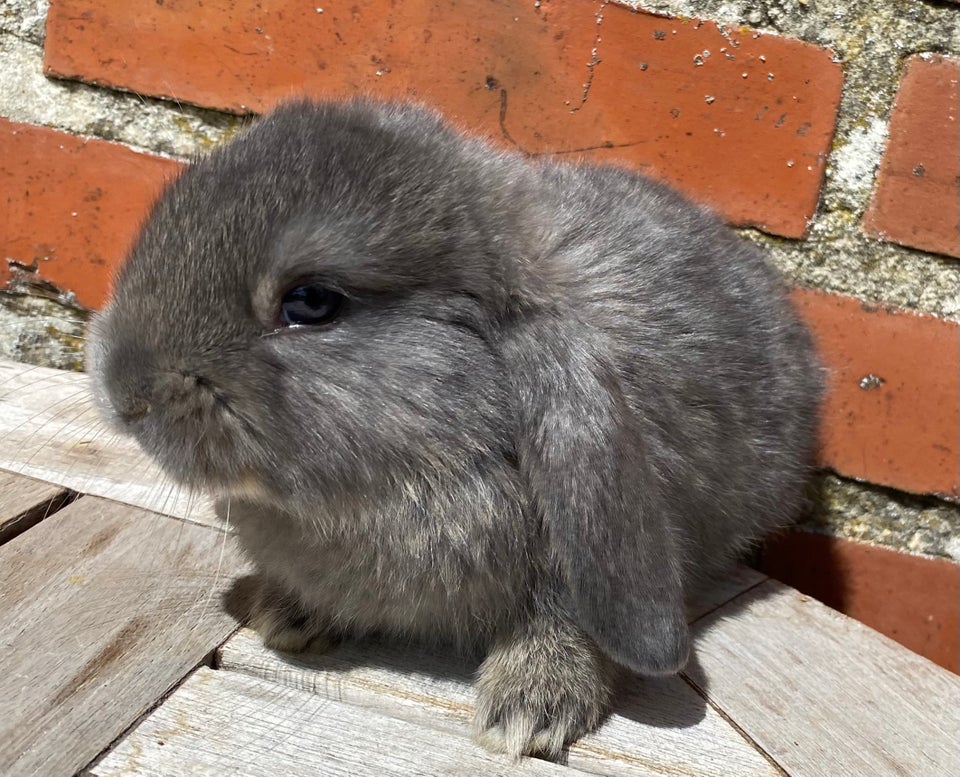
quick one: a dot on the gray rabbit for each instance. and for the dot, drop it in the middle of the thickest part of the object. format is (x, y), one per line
(448, 393)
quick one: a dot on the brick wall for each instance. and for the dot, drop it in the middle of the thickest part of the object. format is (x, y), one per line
(827, 132)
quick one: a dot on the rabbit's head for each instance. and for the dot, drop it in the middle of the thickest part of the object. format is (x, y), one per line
(315, 305)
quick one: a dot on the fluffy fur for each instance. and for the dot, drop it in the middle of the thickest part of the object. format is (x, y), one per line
(557, 397)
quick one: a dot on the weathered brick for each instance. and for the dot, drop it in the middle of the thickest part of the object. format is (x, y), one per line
(740, 121)
(72, 205)
(891, 415)
(917, 197)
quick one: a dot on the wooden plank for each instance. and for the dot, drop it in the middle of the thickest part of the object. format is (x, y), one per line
(228, 723)
(103, 608)
(52, 431)
(824, 694)
(24, 502)
(722, 589)
(660, 727)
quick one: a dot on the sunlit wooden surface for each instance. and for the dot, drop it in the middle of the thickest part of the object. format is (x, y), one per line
(120, 655)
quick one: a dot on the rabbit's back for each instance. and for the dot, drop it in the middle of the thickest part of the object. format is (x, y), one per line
(716, 366)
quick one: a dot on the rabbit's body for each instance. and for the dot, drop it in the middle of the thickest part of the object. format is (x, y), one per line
(553, 397)
(450, 563)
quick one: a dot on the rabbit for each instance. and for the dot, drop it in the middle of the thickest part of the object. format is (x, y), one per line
(448, 393)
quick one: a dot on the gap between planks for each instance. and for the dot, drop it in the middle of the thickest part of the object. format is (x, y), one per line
(221, 722)
(813, 691)
(658, 727)
(24, 502)
(103, 609)
(821, 693)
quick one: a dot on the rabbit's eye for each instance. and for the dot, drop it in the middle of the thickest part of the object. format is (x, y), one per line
(310, 305)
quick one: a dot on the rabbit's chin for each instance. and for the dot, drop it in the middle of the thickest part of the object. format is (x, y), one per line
(249, 487)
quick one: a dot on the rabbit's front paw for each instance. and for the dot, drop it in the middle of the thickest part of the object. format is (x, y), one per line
(541, 689)
(283, 623)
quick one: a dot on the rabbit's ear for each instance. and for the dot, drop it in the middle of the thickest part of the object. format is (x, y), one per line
(583, 460)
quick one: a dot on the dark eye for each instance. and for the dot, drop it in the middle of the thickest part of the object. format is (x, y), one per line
(310, 305)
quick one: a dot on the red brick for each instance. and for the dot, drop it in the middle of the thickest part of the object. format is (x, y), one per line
(73, 205)
(917, 198)
(912, 599)
(891, 415)
(747, 131)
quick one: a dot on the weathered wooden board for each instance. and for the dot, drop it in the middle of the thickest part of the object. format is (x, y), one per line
(721, 590)
(660, 727)
(25, 502)
(51, 431)
(103, 608)
(824, 694)
(221, 723)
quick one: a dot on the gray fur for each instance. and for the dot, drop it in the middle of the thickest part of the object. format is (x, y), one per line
(559, 397)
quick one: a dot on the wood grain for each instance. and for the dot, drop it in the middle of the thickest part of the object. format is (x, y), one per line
(720, 590)
(660, 727)
(221, 723)
(25, 502)
(103, 608)
(824, 694)
(52, 431)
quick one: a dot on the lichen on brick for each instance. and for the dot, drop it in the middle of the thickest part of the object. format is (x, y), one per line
(838, 257)
(24, 18)
(41, 330)
(26, 95)
(846, 508)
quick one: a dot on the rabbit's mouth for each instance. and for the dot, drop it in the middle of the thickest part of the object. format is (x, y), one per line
(211, 452)
(191, 428)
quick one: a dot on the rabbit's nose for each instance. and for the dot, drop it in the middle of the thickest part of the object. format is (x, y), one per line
(137, 410)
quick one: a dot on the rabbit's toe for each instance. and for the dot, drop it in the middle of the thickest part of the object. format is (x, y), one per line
(520, 730)
(279, 633)
(540, 692)
(283, 623)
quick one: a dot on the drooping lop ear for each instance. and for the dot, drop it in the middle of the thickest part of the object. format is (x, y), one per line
(581, 454)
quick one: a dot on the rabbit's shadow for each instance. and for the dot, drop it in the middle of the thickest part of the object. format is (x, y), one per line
(676, 702)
